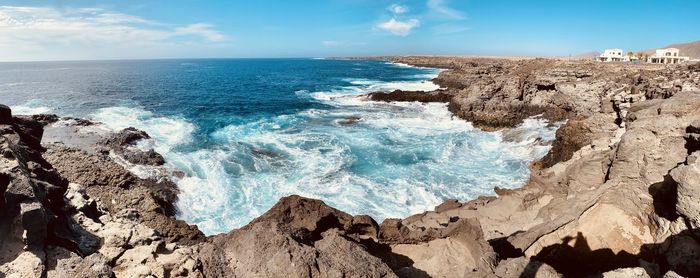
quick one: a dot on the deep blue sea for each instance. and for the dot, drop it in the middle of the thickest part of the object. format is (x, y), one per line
(249, 131)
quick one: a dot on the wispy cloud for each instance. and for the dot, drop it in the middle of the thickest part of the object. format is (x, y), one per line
(398, 9)
(441, 7)
(203, 30)
(399, 28)
(45, 31)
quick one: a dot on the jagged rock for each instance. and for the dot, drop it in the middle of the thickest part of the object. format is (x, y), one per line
(88, 170)
(34, 222)
(149, 157)
(524, 267)
(25, 264)
(63, 263)
(570, 137)
(687, 178)
(44, 119)
(123, 143)
(636, 272)
(126, 137)
(298, 237)
(462, 252)
(155, 260)
(447, 205)
(603, 199)
(33, 213)
(672, 274)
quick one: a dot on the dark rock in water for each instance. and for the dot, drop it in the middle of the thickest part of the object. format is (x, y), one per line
(569, 138)
(264, 153)
(79, 121)
(104, 179)
(126, 137)
(164, 192)
(349, 121)
(399, 95)
(45, 119)
(88, 170)
(5, 114)
(179, 174)
(149, 157)
(122, 143)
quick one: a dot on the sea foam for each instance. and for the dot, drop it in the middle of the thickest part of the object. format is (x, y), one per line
(363, 157)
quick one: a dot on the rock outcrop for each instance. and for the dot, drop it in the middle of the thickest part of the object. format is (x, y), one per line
(399, 95)
(617, 195)
(67, 213)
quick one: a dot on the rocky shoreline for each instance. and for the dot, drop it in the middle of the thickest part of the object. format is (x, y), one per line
(618, 194)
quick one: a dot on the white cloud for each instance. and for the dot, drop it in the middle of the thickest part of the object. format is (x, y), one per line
(399, 28)
(440, 7)
(203, 30)
(36, 33)
(398, 9)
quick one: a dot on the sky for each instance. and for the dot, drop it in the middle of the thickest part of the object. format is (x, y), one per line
(143, 29)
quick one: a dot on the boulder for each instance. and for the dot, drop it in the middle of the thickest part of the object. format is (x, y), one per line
(687, 178)
(462, 252)
(524, 267)
(5, 114)
(35, 223)
(88, 170)
(297, 237)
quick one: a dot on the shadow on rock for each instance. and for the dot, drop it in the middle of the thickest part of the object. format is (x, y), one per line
(402, 265)
(578, 260)
(665, 196)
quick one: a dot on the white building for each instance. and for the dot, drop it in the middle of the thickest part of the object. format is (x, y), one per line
(667, 56)
(612, 55)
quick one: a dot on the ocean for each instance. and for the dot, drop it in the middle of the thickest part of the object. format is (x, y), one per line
(247, 132)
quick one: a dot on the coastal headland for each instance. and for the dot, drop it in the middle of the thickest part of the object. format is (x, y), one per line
(618, 194)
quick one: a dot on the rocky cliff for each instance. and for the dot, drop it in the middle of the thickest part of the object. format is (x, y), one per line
(617, 195)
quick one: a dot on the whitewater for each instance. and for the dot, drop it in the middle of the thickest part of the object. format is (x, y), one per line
(387, 160)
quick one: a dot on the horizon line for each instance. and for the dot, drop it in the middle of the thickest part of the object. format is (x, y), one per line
(289, 57)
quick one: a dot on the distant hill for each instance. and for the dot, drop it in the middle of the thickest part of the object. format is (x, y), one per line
(691, 49)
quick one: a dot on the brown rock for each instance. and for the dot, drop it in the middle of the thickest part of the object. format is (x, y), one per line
(448, 205)
(409, 96)
(297, 237)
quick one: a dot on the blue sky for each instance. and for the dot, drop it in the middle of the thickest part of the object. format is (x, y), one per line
(119, 29)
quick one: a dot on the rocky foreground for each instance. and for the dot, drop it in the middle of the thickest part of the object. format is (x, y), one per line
(618, 195)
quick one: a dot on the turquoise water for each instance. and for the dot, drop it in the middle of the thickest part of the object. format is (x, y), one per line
(247, 132)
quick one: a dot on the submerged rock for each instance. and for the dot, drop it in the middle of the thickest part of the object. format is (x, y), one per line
(124, 144)
(399, 95)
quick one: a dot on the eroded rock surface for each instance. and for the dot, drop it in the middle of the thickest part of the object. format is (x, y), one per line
(617, 196)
